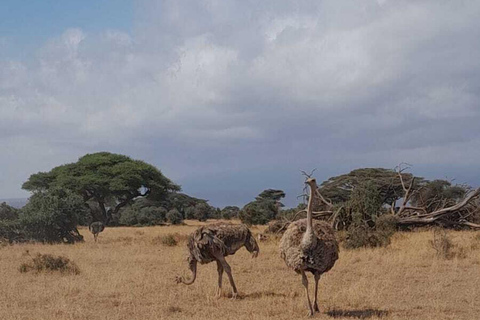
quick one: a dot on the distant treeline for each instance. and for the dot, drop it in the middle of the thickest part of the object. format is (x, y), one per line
(120, 191)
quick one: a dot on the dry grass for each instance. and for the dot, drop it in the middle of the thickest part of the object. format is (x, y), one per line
(127, 274)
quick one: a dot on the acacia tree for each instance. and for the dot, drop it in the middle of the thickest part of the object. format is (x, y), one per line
(339, 189)
(107, 179)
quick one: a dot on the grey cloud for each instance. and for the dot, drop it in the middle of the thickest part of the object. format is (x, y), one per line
(240, 95)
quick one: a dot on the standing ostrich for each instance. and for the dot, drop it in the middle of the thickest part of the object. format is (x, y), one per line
(213, 243)
(95, 228)
(309, 245)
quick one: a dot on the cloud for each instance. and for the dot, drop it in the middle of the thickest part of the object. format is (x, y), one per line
(245, 92)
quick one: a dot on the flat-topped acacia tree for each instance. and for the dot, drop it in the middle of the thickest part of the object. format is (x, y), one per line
(108, 179)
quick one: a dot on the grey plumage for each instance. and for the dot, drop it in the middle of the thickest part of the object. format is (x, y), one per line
(213, 243)
(309, 245)
(95, 228)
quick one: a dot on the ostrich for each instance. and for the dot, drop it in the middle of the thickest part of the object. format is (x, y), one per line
(309, 245)
(213, 243)
(95, 228)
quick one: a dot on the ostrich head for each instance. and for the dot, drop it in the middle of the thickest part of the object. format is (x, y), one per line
(192, 265)
(311, 182)
(252, 246)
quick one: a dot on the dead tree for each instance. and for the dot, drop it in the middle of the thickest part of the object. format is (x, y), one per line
(451, 216)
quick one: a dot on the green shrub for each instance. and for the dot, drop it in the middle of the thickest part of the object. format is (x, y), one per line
(146, 216)
(174, 216)
(8, 213)
(378, 236)
(190, 212)
(258, 212)
(229, 212)
(51, 217)
(203, 211)
(152, 216)
(368, 225)
(11, 231)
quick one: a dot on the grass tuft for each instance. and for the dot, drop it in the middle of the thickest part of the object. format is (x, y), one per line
(50, 263)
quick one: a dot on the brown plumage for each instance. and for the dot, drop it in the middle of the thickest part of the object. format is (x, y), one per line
(309, 245)
(213, 243)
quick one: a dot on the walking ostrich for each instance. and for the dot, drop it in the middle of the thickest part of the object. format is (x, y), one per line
(95, 228)
(309, 245)
(213, 243)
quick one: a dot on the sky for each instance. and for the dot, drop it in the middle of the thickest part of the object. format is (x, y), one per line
(228, 98)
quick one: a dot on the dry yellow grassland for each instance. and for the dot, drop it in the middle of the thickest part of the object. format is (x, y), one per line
(128, 274)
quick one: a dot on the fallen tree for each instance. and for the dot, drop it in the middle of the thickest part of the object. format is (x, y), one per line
(415, 202)
(452, 216)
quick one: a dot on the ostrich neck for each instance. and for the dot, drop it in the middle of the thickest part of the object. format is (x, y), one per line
(309, 238)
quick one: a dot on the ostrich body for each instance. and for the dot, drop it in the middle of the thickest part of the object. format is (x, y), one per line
(95, 228)
(309, 245)
(213, 243)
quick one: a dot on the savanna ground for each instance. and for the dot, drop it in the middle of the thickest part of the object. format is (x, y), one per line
(129, 274)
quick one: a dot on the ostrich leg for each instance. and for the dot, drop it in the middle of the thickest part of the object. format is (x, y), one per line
(305, 284)
(220, 275)
(228, 270)
(315, 303)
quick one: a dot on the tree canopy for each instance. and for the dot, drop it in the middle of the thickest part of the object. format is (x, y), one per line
(264, 208)
(230, 212)
(110, 180)
(386, 181)
(8, 212)
(438, 193)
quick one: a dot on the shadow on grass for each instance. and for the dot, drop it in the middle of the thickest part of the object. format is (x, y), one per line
(359, 314)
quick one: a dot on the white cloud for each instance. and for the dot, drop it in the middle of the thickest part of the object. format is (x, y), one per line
(229, 85)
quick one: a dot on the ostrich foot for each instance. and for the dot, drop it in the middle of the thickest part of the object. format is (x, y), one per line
(315, 308)
(234, 296)
(310, 313)
(218, 294)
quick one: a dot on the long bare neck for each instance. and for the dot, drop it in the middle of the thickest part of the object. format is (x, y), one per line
(309, 238)
(309, 211)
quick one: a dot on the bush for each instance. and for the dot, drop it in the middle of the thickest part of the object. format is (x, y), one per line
(229, 212)
(366, 204)
(365, 236)
(258, 212)
(168, 240)
(7, 212)
(203, 211)
(152, 216)
(47, 262)
(146, 216)
(277, 226)
(174, 217)
(190, 212)
(365, 219)
(49, 217)
(11, 231)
